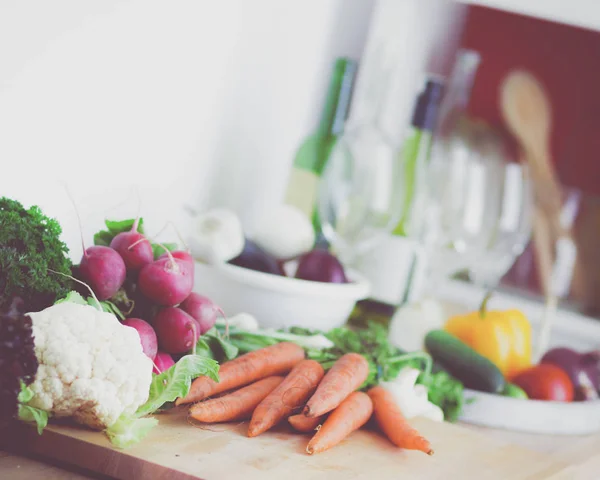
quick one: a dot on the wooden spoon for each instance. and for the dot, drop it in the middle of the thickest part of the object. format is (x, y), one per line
(528, 114)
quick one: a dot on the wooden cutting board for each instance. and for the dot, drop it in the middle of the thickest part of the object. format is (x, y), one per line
(176, 450)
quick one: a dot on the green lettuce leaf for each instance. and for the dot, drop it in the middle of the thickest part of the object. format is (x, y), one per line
(34, 415)
(157, 249)
(118, 226)
(104, 237)
(26, 393)
(73, 297)
(28, 413)
(175, 382)
(213, 345)
(107, 306)
(204, 349)
(129, 430)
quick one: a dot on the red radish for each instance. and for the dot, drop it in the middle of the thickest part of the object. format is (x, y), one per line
(167, 281)
(103, 269)
(177, 331)
(134, 247)
(203, 310)
(181, 255)
(162, 361)
(147, 335)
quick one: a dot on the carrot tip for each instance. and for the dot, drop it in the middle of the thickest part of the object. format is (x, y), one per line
(430, 452)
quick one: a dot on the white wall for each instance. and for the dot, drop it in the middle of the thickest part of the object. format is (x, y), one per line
(579, 13)
(190, 102)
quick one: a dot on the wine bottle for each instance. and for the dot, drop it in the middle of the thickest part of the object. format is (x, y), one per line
(388, 267)
(417, 148)
(312, 156)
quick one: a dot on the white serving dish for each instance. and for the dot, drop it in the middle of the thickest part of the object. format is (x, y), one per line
(277, 301)
(532, 416)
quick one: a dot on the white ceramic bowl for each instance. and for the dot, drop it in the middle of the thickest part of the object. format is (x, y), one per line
(277, 301)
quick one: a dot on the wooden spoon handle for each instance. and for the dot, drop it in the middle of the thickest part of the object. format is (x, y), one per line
(543, 248)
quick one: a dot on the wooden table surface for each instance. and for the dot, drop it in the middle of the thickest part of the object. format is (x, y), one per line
(580, 454)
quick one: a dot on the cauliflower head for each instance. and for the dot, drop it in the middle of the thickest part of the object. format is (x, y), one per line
(91, 367)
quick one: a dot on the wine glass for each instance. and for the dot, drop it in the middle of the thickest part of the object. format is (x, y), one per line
(477, 207)
(359, 199)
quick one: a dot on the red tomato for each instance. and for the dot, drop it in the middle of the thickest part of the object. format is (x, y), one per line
(546, 382)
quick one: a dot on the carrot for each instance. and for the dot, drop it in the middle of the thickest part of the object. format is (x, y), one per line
(237, 405)
(352, 414)
(304, 424)
(345, 376)
(292, 392)
(272, 360)
(394, 425)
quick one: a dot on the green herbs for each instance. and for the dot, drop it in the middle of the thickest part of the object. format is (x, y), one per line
(30, 247)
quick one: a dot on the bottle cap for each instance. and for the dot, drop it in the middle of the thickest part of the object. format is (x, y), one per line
(428, 102)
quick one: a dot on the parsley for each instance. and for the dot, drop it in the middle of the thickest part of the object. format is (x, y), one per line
(30, 246)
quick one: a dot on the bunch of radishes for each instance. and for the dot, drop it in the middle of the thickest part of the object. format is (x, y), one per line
(180, 316)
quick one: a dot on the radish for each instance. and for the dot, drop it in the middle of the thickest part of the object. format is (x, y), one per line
(103, 269)
(203, 310)
(134, 248)
(146, 333)
(177, 331)
(162, 361)
(167, 281)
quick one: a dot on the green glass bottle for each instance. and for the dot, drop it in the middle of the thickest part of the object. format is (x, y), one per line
(314, 152)
(417, 147)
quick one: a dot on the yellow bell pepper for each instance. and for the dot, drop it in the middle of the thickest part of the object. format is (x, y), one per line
(503, 337)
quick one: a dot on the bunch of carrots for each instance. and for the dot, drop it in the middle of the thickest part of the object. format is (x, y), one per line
(270, 384)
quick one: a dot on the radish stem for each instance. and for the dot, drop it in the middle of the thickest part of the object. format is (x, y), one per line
(136, 242)
(174, 264)
(78, 220)
(156, 366)
(171, 223)
(220, 311)
(194, 332)
(98, 305)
